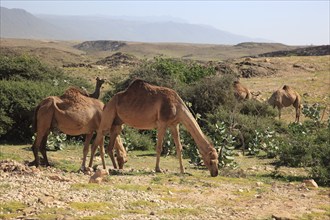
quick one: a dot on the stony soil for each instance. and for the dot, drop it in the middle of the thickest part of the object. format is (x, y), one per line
(50, 193)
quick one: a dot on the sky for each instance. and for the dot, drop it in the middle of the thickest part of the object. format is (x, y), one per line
(289, 22)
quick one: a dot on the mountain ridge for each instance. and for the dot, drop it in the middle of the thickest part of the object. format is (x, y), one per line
(18, 23)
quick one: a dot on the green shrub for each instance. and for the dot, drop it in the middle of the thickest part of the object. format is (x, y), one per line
(306, 145)
(25, 67)
(24, 82)
(256, 108)
(171, 73)
(137, 140)
(209, 93)
(18, 100)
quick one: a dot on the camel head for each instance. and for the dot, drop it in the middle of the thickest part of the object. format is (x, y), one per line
(211, 162)
(99, 82)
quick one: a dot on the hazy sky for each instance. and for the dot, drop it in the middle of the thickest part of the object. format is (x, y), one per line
(288, 22)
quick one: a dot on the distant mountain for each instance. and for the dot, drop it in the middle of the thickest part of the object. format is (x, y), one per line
(17, 23)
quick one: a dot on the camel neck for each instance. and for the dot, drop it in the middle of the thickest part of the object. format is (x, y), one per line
(193, 128)
(96, 93)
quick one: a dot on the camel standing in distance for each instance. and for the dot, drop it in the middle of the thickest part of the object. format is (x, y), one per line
(99, 83)
(284, 98)
(73, 113)
(241, 92)
(146, 106)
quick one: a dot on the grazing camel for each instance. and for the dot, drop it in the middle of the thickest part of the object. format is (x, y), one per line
(241, 92)
(284, 98)
(73, 113)
(146, 106)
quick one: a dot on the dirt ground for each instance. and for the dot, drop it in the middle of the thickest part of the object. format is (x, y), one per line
(138, 193)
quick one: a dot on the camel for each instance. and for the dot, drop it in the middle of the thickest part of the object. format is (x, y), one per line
(241, 92)
(73, 113)
(146, 106)
(99, 83)
(284, 98)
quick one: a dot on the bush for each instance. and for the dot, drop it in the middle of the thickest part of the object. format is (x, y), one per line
(256, 108)
(307, 146)
(209, 93)
(18, 100)
(171, 73)
(25, 81)
(26, 67)
(137, 140)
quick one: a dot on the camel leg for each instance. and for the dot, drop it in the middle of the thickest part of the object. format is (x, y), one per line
(88, 139)
(297, 107)
(114, 134)
(160, 136)
(43, 149)
(176, 137)
(279, 113)
(102, 153)
(98, 140)
(40, 140)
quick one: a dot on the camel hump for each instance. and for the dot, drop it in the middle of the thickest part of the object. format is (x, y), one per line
(73, 92)
(137, 83)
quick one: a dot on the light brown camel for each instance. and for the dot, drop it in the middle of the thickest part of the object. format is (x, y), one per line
(284, 98)
(74, 114)
(146, 106)
(241, 92)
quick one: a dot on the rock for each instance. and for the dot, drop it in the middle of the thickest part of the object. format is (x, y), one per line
(311, 183)
(259, 183)
(58, 178)
(45, 199)
(280, 217)
(98, 176)
(258, 196)
(152, 213)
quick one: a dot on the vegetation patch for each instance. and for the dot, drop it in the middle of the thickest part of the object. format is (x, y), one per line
(67, 165)
(11, 209)
(102, 217)
(91, 206)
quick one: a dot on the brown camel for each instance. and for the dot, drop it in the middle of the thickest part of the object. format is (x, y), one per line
(74, 114)
(284, 98)
(146, 106)
(241, 92)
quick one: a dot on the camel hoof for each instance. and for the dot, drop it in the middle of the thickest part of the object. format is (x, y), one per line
(33, 163)
(88, 170)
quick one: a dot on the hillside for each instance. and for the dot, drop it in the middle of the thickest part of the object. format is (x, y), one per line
(306, 51)
(66, 52)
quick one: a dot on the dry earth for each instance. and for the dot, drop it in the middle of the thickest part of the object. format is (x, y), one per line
(50, 193)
